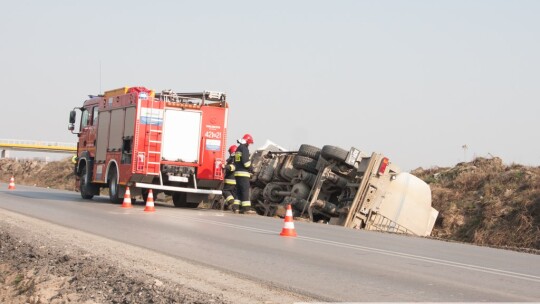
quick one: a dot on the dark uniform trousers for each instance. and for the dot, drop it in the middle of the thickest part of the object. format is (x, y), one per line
(242, 175)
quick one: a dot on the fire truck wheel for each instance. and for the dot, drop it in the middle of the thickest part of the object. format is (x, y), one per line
(335, 153)
(114, 188)
(309, 151)
(305, 163)
(85, 187)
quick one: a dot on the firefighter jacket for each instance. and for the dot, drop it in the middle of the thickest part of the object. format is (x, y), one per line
(241, 161)
(229, 171)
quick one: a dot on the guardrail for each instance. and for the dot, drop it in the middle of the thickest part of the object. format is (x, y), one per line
(37, 145)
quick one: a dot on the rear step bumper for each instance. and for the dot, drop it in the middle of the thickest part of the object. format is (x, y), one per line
(178, 189)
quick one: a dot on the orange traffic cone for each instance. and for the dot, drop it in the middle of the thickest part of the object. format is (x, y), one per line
(127, 199)
(11, 183)
(288, 226)
(150, 202)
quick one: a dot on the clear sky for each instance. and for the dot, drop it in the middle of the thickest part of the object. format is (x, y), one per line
(415, 80)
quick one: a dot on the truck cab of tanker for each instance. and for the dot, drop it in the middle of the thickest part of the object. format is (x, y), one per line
(389, 200)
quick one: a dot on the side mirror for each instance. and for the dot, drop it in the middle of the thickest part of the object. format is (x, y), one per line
(72, 116)
(75, 120)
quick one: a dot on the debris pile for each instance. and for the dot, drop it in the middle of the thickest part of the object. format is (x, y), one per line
(55, 174)
(486, 203)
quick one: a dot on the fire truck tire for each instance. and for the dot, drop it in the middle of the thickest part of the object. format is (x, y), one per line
(114, 188)
(309, 151)
(85, 187)
(334, 153)
(305, 163)
(180, 200)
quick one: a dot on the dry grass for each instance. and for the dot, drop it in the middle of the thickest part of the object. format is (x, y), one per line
(56, 174)
(487, 203)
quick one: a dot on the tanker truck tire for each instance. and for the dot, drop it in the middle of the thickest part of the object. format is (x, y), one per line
(266, 174)
(334, 153)
(309, 151)
(305, 163)
(308, 178)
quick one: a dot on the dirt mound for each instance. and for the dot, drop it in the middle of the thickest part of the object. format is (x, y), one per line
(483, 202)
(487, 203)
(42, 275)
(56, 174)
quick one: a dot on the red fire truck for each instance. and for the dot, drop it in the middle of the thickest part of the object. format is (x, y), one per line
(168, 142)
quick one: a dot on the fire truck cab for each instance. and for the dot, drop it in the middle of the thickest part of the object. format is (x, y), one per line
(168, 142)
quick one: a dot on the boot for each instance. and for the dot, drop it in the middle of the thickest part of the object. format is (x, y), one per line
(248, 211)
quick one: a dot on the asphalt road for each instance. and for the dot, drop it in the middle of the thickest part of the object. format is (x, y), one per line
(328, 262)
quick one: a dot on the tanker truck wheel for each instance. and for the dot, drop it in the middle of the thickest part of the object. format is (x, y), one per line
(309, 151)
(305, 163)
(335, 153)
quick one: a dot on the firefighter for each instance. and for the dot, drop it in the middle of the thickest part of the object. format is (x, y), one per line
(242, 173)
(229, 189)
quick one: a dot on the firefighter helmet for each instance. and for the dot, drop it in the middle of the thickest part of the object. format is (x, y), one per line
(232, 149)
(248, 138)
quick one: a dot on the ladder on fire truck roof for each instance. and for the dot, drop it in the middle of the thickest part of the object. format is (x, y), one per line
(154, 147)
(197, 97)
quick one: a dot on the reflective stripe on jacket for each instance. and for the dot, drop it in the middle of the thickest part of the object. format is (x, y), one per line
(229, 171)
(241, 160)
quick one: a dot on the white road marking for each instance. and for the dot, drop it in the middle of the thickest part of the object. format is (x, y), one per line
(500, 272)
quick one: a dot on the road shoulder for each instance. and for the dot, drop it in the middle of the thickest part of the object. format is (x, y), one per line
(45, 262)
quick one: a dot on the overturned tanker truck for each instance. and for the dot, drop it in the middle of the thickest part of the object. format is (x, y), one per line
(341, 187)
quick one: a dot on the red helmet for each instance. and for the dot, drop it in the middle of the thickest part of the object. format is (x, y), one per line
(232, 149)
(248, 138)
